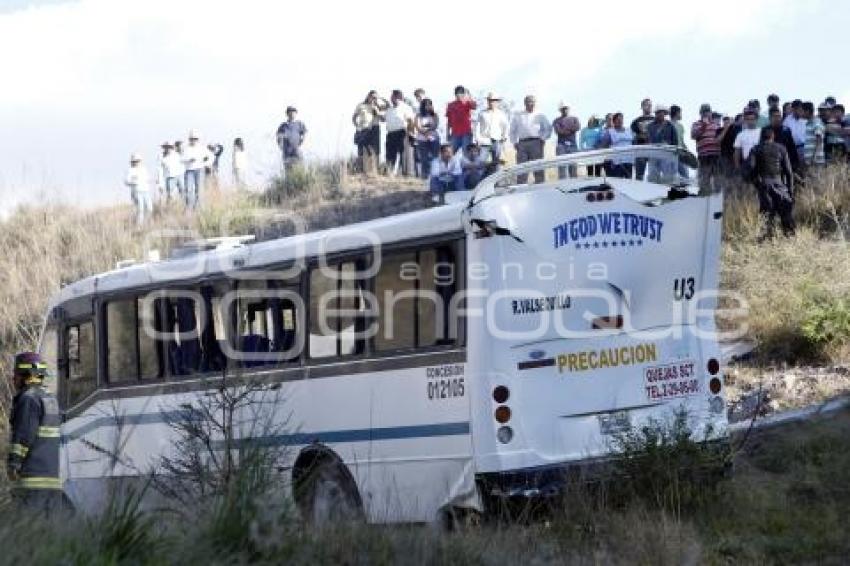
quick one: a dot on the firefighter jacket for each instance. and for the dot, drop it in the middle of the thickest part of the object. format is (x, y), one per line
(34, 447)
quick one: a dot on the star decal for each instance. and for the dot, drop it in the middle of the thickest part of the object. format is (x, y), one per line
(640, 242)
(623, 243)
(587, 246)
(604, 244)
(613, 244)
(631, 243)
(578, 246)
(596, 245)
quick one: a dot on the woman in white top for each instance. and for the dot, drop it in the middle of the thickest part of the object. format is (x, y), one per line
(427, 136)
(618, 136)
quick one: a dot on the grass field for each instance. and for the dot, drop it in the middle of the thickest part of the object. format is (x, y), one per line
(786, 503)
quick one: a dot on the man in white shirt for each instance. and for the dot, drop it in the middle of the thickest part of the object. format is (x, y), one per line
(399, 122)
(745, 141)
(493, 128)
(797, 124)
(529, 131)
(171, 172)
(196, 157)
(446, 172)
(138, 181)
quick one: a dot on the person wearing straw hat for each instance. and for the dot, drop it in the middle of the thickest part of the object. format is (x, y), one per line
(492, 131)
(196, 158)
(138, 181)
(566, 127)
(171, 172)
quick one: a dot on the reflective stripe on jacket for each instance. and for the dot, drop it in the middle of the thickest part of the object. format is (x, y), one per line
(34, 447)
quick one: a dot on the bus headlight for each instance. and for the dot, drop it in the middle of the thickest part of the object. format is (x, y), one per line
(716, 405)
(505, 434)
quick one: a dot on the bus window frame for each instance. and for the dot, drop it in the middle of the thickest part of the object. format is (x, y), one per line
(63, 371)
(293, 284)
(335, 261)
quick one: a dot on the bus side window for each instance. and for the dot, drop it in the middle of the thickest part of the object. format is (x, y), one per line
(194, 329)
(437, 285)
(82, 380)
(122, 348)
(332, 332)
(395, 290)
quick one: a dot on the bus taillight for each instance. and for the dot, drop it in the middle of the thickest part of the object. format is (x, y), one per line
(501, 394)
(715, 385)
(502, 414)
(713, 366)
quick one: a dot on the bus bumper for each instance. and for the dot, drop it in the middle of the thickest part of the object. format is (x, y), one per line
(546, 482)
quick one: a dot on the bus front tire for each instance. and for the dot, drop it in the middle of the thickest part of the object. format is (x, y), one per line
(329, 496)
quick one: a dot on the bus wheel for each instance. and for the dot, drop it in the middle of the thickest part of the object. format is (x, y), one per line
(330, 496)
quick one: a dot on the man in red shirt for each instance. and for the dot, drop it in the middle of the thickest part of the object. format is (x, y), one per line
(459, 119)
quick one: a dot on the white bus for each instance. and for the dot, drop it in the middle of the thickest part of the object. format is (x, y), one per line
(427, 361)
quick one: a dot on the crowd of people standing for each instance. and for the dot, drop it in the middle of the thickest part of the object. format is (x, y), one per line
(772, 149)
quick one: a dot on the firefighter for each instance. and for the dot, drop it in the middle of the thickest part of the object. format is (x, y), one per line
(33, 464)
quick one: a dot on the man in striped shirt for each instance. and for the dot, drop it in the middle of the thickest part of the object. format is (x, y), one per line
(706, 132)
(813, 147)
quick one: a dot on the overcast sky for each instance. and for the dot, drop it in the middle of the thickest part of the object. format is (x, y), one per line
(89, 81)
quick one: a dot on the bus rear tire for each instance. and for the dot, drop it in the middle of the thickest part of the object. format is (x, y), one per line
(329, 496)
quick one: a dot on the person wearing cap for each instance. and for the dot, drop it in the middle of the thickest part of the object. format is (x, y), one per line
(445, 172)
(196, 158)
(399, 119)
(641, 137)
(661, 131)
(813, 148)
(529, 131)
(138, 181)
(290, 137)
(170, 172)
(492, 131)
(774, 181)
(706, 133)
(566, 128)
(459, 119)
(473, 164)
(32, 465)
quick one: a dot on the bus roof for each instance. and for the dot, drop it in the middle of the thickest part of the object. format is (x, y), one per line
(430, 222)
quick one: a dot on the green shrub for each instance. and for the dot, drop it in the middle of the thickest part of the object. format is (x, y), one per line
(826, 323)
(661, 464)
